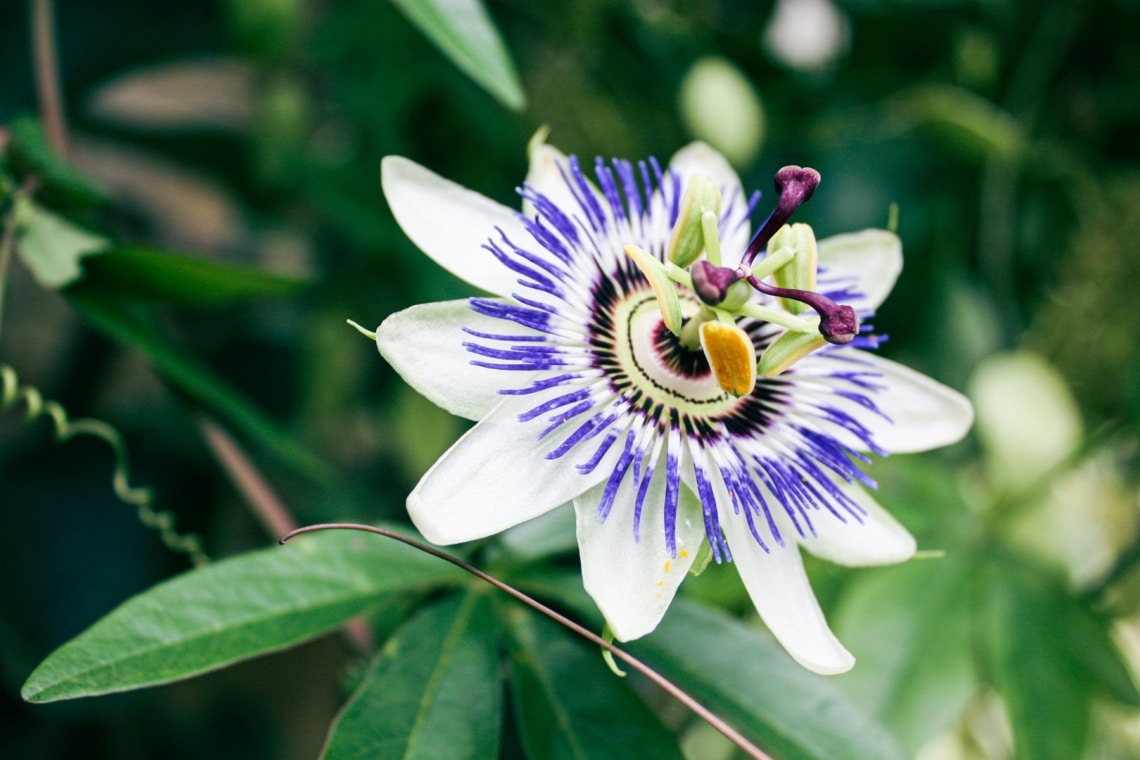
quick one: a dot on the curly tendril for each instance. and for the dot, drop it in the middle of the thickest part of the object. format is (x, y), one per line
(142, 499)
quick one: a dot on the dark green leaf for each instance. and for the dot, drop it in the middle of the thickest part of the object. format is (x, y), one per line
(29, 153)
(232, 610)
(743, 675)
(909, 628)
(115, 320)
(190, 280)
(569, 705)
(433, 692)
(464, 32)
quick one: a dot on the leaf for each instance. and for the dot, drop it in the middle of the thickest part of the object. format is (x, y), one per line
(1050, 657)
(569, 705)
(232, 610)
(51, 246)
(464, 32)
(433, 691)
(183, 279)
(909, 628)
(743, 675)
(30, 153)
(184, 372)
(970, 122)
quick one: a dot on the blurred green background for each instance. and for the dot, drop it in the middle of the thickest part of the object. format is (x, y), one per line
(251, 132)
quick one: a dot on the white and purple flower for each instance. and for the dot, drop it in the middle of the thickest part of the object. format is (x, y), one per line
(645, 357)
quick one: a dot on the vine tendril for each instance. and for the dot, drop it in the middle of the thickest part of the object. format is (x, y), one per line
(142, 499)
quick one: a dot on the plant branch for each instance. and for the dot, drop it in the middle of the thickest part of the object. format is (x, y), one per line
(670, 688)
(265, 504)
(47, 75)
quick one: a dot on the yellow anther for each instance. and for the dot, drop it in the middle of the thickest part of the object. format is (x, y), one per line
(731, 355)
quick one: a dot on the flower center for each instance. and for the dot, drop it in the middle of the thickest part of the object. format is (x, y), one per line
(656, 363)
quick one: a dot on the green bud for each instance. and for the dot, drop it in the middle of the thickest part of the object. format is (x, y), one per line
(799, 273)
(688, 240)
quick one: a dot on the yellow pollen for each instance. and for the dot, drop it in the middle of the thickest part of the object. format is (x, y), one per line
(668, 565)
(731, 355)
(683, 553)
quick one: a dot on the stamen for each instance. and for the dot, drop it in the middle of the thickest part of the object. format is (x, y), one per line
(838, 323)
(795, 185)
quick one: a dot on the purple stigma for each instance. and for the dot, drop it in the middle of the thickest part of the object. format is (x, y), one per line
(838, 323)
(711, 283)
(795, 185)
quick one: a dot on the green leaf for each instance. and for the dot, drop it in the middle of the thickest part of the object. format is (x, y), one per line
(190, 280)
(51, 246)
(970, 122)
(463, 31)
(1050, 657)
(909, 628)
(433, 691)
(117, 321)
(30, 153)
(743, 675)
(569, 705)
(232, 610)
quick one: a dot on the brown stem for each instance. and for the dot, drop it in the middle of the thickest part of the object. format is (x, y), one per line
(265, 504)
(47, 75)
(672, 689)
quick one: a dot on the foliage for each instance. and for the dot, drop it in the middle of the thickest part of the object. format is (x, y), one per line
(190, 258)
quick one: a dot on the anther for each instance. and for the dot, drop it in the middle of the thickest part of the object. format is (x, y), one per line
(795, 185)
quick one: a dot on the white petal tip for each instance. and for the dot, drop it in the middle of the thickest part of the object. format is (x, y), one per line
(837, 662)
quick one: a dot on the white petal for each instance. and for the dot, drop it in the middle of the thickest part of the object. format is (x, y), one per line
(779, 588)
(497, 476)
(870, 261)
(634, 582)
(878, 540)
(451, 223)
(922, 413)
(699, 158)
(545, 175)
(425, 345)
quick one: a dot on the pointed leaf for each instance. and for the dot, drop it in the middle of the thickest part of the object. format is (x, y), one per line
(569, 705)
(464, 32)
(743, 675)
(433, 692)
(183, 279)
(232, 610)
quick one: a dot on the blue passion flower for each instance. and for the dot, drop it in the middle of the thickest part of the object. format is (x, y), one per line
(695, 390)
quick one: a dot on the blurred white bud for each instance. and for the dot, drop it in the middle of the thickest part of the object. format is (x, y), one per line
(808, 35)
(719, 105)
